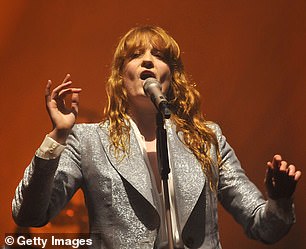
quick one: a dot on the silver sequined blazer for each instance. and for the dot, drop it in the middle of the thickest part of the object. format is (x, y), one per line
(119, 199)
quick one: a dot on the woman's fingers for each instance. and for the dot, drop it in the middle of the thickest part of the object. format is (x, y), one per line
(269, 176)
(68, 76)
(62, 114)
(48, 91)
(276, 161)
(74, 92)
(57, 90)
(63, 93)
(75, 103)
(297, 175)
(283, 166)
(280, 166)
(60, 92)
(56, 99)
(281, 178)
(291, 170)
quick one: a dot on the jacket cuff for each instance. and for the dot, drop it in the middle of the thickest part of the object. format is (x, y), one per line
(282, 208)
(49, 149)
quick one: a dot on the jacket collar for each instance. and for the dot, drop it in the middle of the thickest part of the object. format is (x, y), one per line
(132, 167)
(187, 174)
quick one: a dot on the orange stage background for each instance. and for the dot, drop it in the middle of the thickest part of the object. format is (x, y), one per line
(247, 57)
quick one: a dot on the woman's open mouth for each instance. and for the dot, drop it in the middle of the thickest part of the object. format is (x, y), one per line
(147, 74)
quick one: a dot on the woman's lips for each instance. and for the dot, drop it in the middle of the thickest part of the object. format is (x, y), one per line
(147, 74)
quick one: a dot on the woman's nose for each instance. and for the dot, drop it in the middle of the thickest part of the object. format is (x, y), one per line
(147, 60)
(147, 64)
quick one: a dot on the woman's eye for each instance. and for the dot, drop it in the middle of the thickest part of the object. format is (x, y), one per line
(157, 54)
(135, 55)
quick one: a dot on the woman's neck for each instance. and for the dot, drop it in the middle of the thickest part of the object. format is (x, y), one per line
(146, 122)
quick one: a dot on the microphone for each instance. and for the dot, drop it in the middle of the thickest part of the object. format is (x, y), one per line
(152, 89)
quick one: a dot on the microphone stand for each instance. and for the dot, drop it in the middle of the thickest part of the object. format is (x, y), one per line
(163, 163)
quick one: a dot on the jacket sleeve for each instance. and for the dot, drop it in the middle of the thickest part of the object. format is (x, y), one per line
(267, 221)
(47, 186)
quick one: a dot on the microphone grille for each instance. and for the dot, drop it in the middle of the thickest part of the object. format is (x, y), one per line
(151, 82)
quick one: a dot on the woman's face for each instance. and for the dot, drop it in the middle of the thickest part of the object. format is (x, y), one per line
(144, 64)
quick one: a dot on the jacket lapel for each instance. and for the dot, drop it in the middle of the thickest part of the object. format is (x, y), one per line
(133, 167)
(188, 177)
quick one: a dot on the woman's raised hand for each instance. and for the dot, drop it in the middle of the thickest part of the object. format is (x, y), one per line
(281, 178)
(62, 114)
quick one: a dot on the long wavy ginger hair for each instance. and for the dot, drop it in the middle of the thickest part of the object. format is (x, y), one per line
(184, 99)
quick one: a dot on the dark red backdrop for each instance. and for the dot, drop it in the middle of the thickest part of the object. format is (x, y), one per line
(247, 57)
